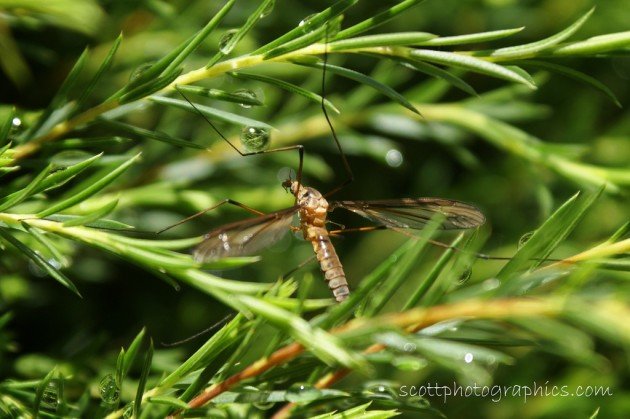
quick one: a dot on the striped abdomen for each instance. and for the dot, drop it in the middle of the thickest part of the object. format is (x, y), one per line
(329, 262)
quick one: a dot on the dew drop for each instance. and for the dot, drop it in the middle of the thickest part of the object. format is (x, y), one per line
(524, 239)
(393, 158)
(245, 94)
(55, 263)
(263, 402)
(268, 9)
(380, 391)
(50, 395)
(254, 138)
(108, 389)
(17, 126)
(468, 358)
(302, 393)
(490, 284)
(35, 269)
(307, 23)
(227, 41)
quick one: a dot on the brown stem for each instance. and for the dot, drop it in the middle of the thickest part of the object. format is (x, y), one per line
(413, 320)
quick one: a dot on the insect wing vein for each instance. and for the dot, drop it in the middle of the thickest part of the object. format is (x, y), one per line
(244, 238)
(415, 213)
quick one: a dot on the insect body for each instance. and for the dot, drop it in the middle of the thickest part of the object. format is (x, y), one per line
(250, 236)
(313, 212)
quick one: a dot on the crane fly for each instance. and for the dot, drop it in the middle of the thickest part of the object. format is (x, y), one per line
(249, 236)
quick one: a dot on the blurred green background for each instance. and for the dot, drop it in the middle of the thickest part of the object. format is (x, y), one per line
(50, 325)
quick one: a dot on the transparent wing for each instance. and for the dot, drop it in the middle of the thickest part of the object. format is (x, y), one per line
(415, 213)
(244, 238)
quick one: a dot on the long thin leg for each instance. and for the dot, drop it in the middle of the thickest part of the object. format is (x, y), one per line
(223, 202)
(355, 230)
(300, 266)
(346, 165)
(433, 242)
(298, 147)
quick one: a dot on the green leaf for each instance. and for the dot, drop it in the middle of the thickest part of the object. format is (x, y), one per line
(27, 191)
(470, 63)
(175, 245)
(5, 126)
(105, 65)
(155, 135)
(472, 38)
(524, 74)
(313, 97)
(120, 375)
(314, 22)
(144, 375)
(305, 40)
(171, 61)
(363, 79)
(159, 257)
(230, 263)
(88, 142)
(93, 216)
(100, 224)
(366, 286)
(63, 175)
(439, 73)
(39, 261)
(400, 271)
(169, 401)
(535, 47)
(212, 113)
(44, 241)
(596, 45)
(85, 16)
(58, 177)
(377, 20)
(149, 87)
(382, 40)
(190, 46)
(577, 75)
(88, 191)
(61, 97)
(5, 319)
(325, 346)
(220, 94)
(547, 237)
(211, 349)
(236, 37)
(430, 279)
(6, 170)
